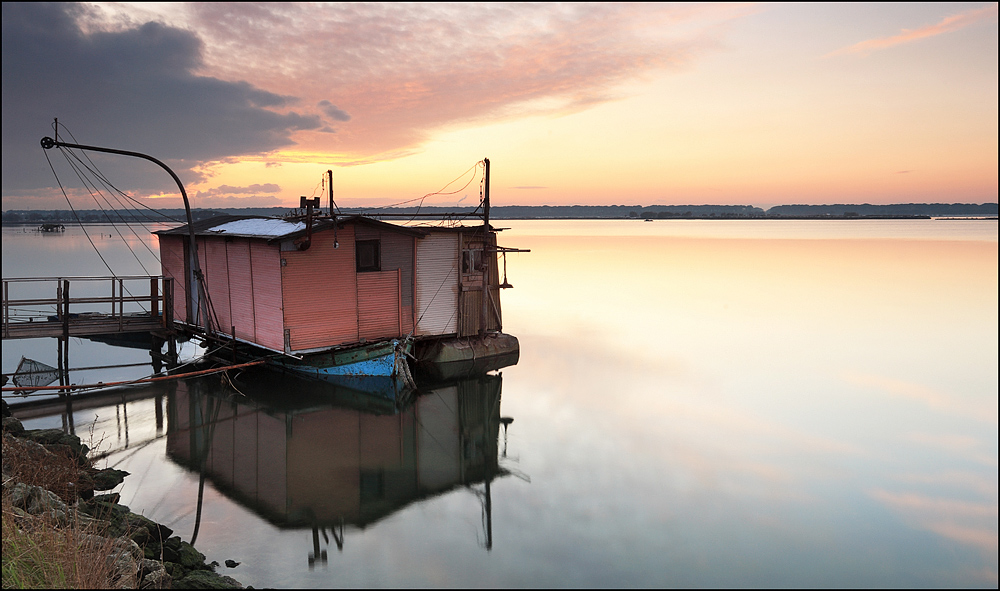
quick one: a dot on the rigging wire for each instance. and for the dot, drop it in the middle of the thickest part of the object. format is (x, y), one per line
(440, 191)
(115, 191)
(68, 202)
(92, 189)
(66, 153)
(97, 172)
(123, 206)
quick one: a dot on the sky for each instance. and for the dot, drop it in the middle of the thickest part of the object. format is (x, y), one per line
(638, 104)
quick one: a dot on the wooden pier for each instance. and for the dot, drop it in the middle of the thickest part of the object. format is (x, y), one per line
(99, 306)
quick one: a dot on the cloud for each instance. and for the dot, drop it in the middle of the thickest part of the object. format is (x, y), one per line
(233, 201)
(255, 189)
(131, 86)
(202, 83)
(403, 71)
(947, 25)
(333, 112)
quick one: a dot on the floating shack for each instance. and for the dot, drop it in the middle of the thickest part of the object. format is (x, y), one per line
(344, 295)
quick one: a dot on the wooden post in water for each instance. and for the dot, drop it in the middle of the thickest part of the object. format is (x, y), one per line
(154, 298)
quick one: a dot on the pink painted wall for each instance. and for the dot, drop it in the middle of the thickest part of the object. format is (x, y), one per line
(172, 265)
(241, 302)
(265, 266)
(320, 292)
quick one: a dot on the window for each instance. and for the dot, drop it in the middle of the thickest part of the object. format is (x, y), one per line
(472, 261)
(368, 255)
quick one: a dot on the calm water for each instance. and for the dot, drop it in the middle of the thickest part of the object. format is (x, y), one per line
(724, 403)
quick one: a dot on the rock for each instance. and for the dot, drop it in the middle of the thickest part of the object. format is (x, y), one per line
(12, 425)
(160, 579)
(140, 536)
(84, 485)
(104, 507)
(57, 436)
(155, 531)
(232, 563)
(108, 478)
(153, 575)
(172, 550)
(110, 498)
(206, 579)
(190, 558)
(127, 545)
(123, 566)
(152, 550)
(35, 500)
(175, 570)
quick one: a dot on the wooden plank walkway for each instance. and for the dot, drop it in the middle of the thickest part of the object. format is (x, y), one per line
(33, 315)
(84, 325)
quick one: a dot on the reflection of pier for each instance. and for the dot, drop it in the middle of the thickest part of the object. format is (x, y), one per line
(325, 466)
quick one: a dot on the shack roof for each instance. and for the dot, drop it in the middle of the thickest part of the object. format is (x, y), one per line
(275, 229)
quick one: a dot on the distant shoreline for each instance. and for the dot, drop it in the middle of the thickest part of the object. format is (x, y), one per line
(865, 211)
(567, 218)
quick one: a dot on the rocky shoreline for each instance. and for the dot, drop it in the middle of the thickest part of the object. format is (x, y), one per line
(140, 551)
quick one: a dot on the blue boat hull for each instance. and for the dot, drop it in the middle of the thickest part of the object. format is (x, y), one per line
(380, 368)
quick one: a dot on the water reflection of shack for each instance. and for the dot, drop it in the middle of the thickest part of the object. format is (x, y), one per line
(329, 465)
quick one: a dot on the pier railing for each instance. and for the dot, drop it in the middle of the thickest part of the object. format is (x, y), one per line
(81, 306)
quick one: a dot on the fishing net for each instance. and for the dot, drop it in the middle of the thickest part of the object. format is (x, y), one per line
(34, 373)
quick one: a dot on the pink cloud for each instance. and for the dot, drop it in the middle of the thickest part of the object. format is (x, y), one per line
(396, 72)
(947, 25)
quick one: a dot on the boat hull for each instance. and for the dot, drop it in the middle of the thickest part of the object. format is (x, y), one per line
(379, 368)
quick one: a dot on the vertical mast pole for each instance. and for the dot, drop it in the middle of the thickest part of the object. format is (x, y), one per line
(329, 182)
(486, 250)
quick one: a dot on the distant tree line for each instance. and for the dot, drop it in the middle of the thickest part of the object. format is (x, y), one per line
(536, 212)
(898, 209)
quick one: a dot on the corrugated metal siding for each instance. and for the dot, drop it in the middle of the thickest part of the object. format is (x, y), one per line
(216, 272)
(319, 288)
(437, 285)
(241, 288)
(397, 253)
(265, 268)
(172, 265)
(378, 304)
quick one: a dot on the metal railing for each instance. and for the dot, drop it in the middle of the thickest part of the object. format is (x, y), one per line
(108, 299)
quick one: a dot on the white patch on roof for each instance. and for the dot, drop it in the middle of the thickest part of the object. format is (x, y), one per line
(259, 227)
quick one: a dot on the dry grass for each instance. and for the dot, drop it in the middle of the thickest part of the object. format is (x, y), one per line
(38, 552)
(30, 463)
